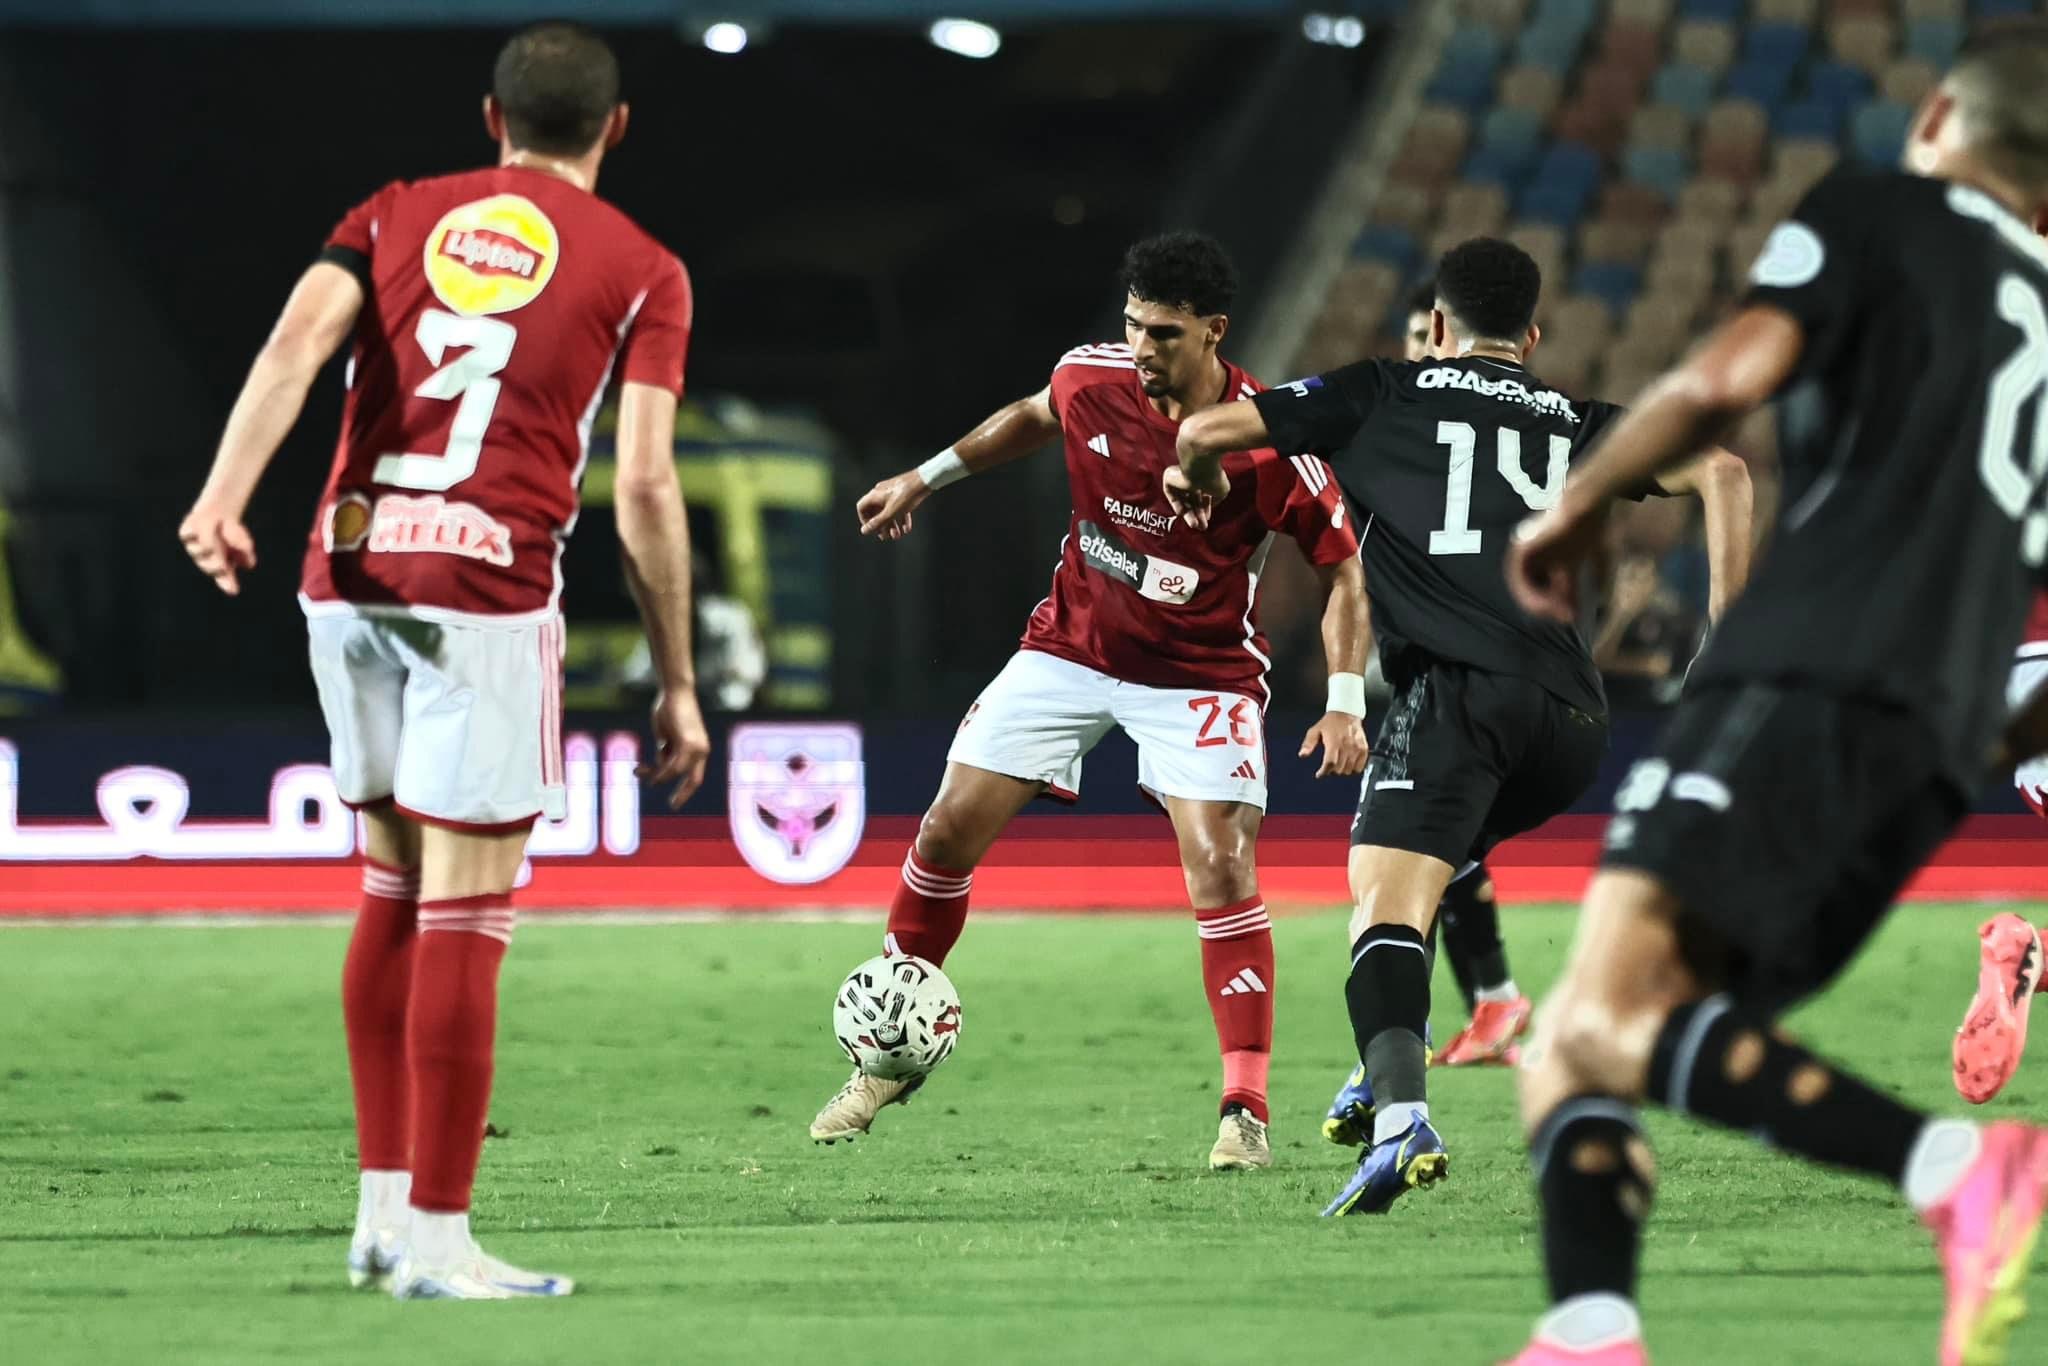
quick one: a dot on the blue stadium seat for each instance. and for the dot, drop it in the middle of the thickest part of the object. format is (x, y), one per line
(1511, 130)
(1384, 242)
(2001, 9)
(1877, 130)
(1549, 46)
(1727, 11)
(1838, 84)
(1661, 168)
(1573, 14)
(1780, 45)
(1570, 166)
(1473, 43)
(1935, 41)
(1468, 85)
(1761, 83)
(1690, 88)
(1612, 283)
(1502, 166)
(1563, 205)
(1807, 119)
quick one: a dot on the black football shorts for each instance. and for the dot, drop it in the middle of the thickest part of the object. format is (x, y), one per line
(1467, 758)
(1786, 820)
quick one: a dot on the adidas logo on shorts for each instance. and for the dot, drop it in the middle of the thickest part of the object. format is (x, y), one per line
(1246, 772)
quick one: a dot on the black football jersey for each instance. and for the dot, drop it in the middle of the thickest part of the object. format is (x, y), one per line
(1914, 438)
(1444, 459)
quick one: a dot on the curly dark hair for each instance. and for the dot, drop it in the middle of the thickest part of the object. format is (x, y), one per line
(1183, 270)
(557, 83)
(1490, 287)
(1422, 298)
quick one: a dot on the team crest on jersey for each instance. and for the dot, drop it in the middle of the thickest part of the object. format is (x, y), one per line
(797, 799)
(492, 255)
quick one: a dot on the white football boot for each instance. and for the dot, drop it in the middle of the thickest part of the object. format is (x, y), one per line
(848, 1114)
(442, 1262)
(1241, 1144)
(372, 1256)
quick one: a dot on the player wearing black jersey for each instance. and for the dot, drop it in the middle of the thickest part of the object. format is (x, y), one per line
(1498, 721)
(1839, 721)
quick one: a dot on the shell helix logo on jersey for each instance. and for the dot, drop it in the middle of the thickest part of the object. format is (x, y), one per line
(403, 525)
(492, 255)
(1154, 578)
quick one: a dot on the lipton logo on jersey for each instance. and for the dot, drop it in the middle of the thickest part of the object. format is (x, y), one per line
(1131, 517)
(433, 525)
(1104, 552)
(492, 255)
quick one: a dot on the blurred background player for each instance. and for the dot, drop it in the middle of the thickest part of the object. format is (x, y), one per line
(1823, 751)
(1993, 1035)
(495, 306)
(1150, 626)
(1498, 722)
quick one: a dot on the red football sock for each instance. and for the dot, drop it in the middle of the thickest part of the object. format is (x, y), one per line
(453, 1016)
(930, 909)
(376, 979)
(1237, 970)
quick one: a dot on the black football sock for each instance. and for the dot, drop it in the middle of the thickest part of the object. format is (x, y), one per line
(1388, 996)
(1595, 1181)
(1717, 1062)
(1471, 916)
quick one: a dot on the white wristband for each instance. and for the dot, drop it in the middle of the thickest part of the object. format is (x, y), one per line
(1347, 694)
(942, 469)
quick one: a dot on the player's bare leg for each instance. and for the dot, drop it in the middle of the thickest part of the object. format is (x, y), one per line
(929, 911)
(376, 979)
(1395, 893)
(1219, 858)
(1631, 1020)
(465, 926)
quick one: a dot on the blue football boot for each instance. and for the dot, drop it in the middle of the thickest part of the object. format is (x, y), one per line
(1349, 1121)
(1413, 1157)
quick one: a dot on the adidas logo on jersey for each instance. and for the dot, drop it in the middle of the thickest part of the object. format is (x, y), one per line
(1100, 445)
(1246, 772)
(1246, 983)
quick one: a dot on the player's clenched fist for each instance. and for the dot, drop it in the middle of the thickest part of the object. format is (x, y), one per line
(885, 509)
(1342, 738)
(219, 544)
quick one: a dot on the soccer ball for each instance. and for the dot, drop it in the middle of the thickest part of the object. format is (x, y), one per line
(897, 1017)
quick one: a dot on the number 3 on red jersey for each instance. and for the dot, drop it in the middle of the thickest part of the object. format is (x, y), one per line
(1243, 725)
(471, 378)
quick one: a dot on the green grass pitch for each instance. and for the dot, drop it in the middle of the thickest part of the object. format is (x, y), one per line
(176, 1179)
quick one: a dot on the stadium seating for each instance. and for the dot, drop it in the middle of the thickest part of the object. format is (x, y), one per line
(1641, 150)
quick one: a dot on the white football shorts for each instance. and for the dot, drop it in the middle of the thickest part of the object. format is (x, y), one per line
(1042, 714)
(459, 725)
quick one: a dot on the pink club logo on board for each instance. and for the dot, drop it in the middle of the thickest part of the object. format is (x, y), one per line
(797, 798)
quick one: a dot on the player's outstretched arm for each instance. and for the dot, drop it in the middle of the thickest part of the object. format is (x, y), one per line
(1720, 480)
(1204, 440)
(317, 318)
(654, 544)
(1010, 433)
(1740, 365)
(1347, 640)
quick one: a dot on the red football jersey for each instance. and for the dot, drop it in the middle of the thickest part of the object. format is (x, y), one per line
(1138, 593)
(499, 303)
(2037, 624)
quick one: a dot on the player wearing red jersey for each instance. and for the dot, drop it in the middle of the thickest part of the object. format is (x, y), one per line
(489, 311)
(1150, 626)
(1993, 1034)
